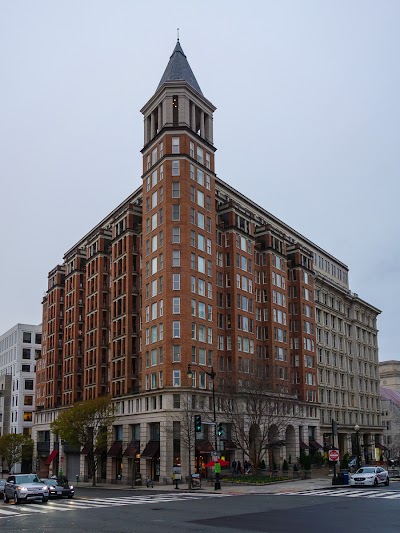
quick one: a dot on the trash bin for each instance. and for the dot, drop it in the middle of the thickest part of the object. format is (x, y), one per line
(345, 478)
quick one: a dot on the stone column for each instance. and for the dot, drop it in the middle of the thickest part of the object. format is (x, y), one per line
(160, 116)
(202, 127)
(193, 121)
(152, 126)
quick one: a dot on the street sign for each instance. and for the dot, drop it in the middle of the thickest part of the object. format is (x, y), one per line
(333, 455)
(215, 456)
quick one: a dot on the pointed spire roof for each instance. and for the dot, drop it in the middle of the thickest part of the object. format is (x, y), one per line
(178, 68)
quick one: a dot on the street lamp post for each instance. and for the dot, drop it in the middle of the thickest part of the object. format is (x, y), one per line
(357, 430)
(212, 375)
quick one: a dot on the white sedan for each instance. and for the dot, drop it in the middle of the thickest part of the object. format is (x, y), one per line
(369, 475)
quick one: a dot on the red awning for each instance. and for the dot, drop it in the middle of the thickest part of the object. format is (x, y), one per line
(152, 448)
(51, 457)
(132, 449)
(116, 448)
(304, 446)
(316, 445)
(229, 445)
(204, 446)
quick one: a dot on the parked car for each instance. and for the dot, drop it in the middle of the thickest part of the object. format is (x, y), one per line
(2, 482)
(25, 487)
(370, 475)
(58, 489)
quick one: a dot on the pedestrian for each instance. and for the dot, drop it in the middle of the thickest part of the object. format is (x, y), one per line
(149, 482)
(245, 467)
(239, 467)
(234, 467)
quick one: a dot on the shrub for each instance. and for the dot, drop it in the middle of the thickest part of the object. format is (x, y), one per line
(262, 465)
(307, 462)
(285, 466)
(295, 468)
(345, 461)
(317, 459)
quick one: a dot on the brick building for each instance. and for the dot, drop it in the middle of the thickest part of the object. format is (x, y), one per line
(187, 270)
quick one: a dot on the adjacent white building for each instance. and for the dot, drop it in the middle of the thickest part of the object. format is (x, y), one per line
(19, 348)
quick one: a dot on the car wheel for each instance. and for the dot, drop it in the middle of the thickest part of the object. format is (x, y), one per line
(6, 498)
(45, 500)
(375, 482)
(16, 499)
(387, 481)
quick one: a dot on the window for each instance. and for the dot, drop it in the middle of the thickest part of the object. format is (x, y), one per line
(176, 235)
(176, 282)
(176, 305)
(176, 168)
(154, 200)
(200, 156)
(28, 400)
(176, 258)
(176, 329)
(200, 177)
(201, 264)
(175, 145)
(191, 152)
(176, 401)
(176, 189)
(28, 416)
(26, 336)
(176, 353)
(26, 368)
(176, 378)
(200, 198)
(200, 220)
(38, 338)
(176, 212)
(26, 353)
(29, 384)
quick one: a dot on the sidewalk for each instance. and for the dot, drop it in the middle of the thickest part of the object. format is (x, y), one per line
(228, 488)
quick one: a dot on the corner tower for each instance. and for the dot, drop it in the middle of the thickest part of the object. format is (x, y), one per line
(178, 231)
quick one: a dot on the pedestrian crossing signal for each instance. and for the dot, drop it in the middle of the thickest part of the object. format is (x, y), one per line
(197, 423)
(220, 430)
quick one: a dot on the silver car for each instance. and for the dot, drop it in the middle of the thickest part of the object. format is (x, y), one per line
(25, 487)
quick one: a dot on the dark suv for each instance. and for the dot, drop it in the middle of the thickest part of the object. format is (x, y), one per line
(25, 487)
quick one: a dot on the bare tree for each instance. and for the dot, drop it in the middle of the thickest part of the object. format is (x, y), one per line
(187, 436)
(257, 417)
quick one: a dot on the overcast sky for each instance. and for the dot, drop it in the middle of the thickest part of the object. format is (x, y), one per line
(307, 125)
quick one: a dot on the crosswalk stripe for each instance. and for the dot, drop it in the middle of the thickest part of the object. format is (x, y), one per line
(346, 493)
(29, 509)
(92, 503)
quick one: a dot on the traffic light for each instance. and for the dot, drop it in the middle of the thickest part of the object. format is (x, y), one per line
(197, 423)
(220, 430)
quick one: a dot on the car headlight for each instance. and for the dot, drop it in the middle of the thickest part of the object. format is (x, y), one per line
(22, 489)
(71, 487)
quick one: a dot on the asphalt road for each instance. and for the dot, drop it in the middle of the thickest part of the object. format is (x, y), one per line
(122, 511)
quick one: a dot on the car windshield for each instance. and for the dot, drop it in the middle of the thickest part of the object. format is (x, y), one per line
(366, 470)
(50, 482)
(29, 478)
